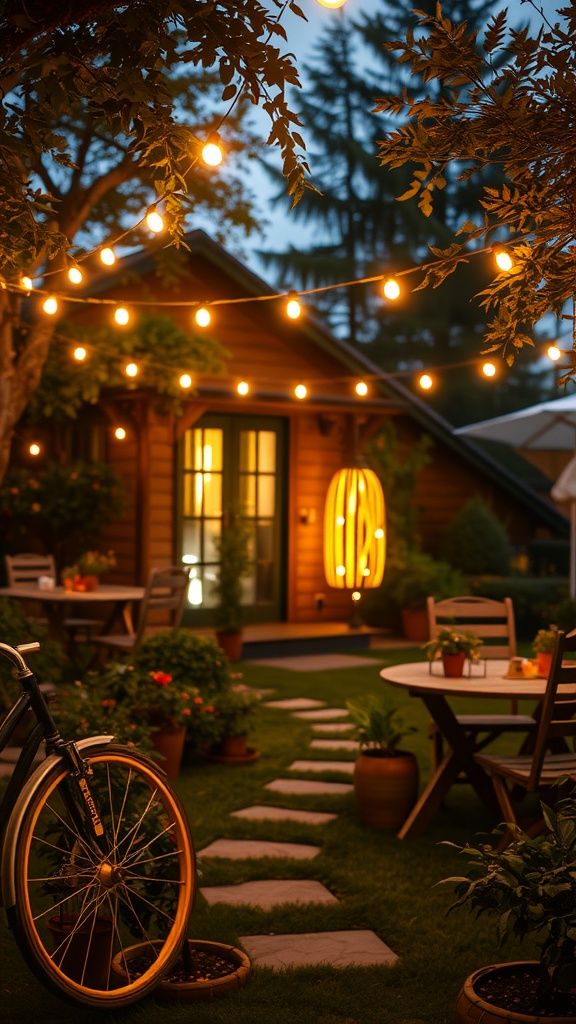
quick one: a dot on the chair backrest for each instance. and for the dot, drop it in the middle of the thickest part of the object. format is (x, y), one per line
(558, 708)
(491, 620)
(27, 567)
(166, 590)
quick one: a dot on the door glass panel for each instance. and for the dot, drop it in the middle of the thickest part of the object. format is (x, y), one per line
(212, 497)
(266, 493)
(266, 451)
(212, 531)
(248, 495)
(191, 550)
(248, 451)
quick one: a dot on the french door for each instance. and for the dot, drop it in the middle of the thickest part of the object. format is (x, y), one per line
(233, 463)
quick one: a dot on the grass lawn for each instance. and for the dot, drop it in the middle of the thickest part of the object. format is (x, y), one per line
(381, 883)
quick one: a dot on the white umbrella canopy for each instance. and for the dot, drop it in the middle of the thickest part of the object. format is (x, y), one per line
(549, 425)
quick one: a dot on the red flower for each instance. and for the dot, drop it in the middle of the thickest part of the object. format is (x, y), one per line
(198, 700)
(108, 702)
(162, 678)
(186, 711)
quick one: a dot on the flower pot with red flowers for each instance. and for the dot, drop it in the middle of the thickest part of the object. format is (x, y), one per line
(85, 574)
(453, 647)
(234, 711)
(543, 645)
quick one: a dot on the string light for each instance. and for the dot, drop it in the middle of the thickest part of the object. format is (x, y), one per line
(489, 370)
(300, 391)
(425, 381)
(131, 370)
(121, 316)
(391, 289)
(50, 306)
(212, 154)
(185, 381)
(120, 433)
(80, 353)
(553, 353)
(202, 317)
(34, 449)
(26, 284)
(331, 4)
(361, 388)
(75, 275)
(243, 388)
(108, 256)
(293, 307)
(155, 222)
(503, 260)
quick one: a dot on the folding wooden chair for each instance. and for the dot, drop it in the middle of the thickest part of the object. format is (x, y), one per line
(165, 592)
(26, 568)
(493, 621)
(542, 769)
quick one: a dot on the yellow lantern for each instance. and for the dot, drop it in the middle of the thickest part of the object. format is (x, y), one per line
(354, 530)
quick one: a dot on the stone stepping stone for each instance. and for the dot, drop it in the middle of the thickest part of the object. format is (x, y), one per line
(335, 949)
(240, 849)
(345, 767)
(284, 814)
(332, 726)
(295, 704)
(306, 787)
(340, 744)
(323, 714)
(269, 893)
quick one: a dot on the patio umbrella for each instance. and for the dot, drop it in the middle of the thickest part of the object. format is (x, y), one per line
(548, 426)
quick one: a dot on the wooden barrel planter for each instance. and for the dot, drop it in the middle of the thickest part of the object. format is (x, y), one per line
(385, 787)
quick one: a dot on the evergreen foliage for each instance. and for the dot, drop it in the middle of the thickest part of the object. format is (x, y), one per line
(476, 542)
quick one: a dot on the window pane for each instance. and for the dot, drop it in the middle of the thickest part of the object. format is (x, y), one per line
(247, 451)
(212, 494)
(212, 450)
(248, 496)
(264, 542)
(266, 451)
(191, 551)
(212, 531)
(266, 490)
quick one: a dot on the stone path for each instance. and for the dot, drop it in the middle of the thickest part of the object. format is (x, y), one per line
(334, 948)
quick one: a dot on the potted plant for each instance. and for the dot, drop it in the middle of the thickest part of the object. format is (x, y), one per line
(543, 645)
(385, 777)
(418, 577)
(85, 573)
(235, 563)
(453, 646)
(530, 887)
(234, 710)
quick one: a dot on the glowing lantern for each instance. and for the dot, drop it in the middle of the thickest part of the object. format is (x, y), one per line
(354, 530)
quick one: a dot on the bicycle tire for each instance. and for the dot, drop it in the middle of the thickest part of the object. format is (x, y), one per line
(143, 884)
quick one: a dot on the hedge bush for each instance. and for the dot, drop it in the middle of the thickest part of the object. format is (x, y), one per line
(476, 541)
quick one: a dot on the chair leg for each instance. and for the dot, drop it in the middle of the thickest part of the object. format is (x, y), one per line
(437, 747)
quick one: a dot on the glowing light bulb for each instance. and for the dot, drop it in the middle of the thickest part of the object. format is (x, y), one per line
(425, 382)
(379, 533)
(155, 222)
(212, 152)
(131, 370)
(26, 283)
(391, 289)
(553, 353)
(50, 306)
(120, 433)
(243, 388)
(108, 257)
(503, 260)
(75, 275)
(185, 381)
(34, 449)
(489, 370)
(356, 595)
(300, 391)
(361, 388)
(293, 308)
(80, 353)
(202, 317)
(340, 520)
(340, 570)
(121, 316)
(331, 4)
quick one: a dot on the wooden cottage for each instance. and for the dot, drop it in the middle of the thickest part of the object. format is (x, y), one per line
(268, 452)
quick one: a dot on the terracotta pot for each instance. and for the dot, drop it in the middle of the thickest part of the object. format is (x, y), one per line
(189, 991)
(231, 643)
(472, 1009)
(543, 662)
(233, 746)
(83, 583)
(415, 624)
(453, 664)
(385, 788)
(170, 743)
(93, 938)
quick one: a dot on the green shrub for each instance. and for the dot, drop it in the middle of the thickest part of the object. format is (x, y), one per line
(191, 660)
(17, 628)
(407, 584)
(476, 542)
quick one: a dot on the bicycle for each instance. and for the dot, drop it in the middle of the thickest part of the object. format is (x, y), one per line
(97, 858)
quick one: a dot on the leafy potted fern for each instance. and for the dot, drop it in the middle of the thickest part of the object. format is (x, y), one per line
(385, 776)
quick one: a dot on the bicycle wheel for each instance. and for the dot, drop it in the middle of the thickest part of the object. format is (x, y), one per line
(79, 907)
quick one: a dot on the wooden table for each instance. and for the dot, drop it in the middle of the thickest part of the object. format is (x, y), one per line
(435, 690)
(58, 604)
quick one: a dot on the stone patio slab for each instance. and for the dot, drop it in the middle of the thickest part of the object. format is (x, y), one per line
(332, 726)
(319, 662)
(322, 714)
(269, 893)
(307, 787)
(339, 744)
(240, 849)
(295, 704)
(345, 767)
(258, 812)
(335, 949)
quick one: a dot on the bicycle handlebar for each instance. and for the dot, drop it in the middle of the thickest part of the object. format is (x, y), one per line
(14, 654)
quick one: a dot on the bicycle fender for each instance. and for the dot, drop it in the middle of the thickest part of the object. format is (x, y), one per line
(7, 886)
